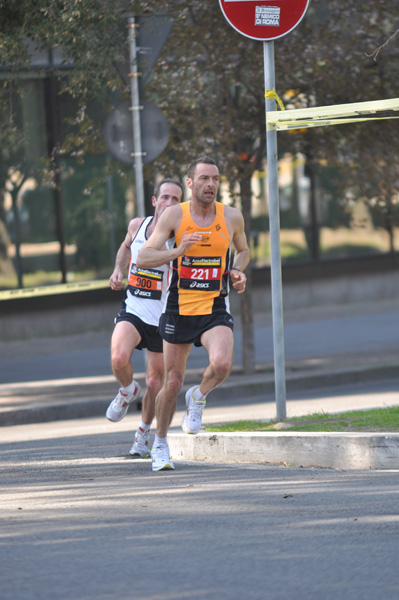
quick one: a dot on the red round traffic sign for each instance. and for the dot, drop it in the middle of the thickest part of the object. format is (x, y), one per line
(264, 19)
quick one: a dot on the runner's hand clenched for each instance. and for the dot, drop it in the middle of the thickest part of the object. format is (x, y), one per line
(188, 240)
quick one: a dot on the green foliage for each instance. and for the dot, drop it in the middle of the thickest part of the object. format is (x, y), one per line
(209, 82)
(88, 216)
(209, 78)
(90, 31)
(41, 210)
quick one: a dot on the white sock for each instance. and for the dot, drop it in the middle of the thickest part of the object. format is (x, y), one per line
(144, 426)
(158, 440)
(198, 396)
(129, 389)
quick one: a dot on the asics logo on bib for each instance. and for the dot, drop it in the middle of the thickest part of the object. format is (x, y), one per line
(142, 293)
(199, 285)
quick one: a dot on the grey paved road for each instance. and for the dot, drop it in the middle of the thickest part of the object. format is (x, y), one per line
(80, 520)
(313, 333)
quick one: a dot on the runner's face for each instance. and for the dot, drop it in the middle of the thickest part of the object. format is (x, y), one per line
(205, 183)
(169, 195)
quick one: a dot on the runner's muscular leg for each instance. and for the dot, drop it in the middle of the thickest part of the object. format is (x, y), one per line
(175, 358)
(219, 343)
(154, 381)
(124, 339)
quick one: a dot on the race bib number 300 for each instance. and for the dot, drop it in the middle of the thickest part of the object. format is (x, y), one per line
(145, 283)
(201, 273)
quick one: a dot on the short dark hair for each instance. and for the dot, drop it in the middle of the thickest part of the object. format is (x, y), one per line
(157, 188)
(201, 160)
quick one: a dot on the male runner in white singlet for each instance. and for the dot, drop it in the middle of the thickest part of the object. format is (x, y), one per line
(136, 325)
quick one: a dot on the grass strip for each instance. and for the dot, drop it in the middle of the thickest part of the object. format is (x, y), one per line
(372, 420)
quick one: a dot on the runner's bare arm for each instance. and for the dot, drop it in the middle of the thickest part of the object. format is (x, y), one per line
(153, 253)
(123, 255)
(242, 254)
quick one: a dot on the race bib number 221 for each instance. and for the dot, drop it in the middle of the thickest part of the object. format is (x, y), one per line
(200, 273)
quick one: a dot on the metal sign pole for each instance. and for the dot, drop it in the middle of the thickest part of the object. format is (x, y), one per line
(135, 108)
(274, 219)
(267, 23)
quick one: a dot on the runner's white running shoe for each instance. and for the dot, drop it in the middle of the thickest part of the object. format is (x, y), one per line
(192, 418)
(119, 406)
(140, 447)
(161, 458)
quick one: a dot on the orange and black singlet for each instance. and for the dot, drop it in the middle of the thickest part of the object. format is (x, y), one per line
(199, 283)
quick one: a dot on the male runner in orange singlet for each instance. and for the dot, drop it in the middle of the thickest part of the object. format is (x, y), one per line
(197, 306)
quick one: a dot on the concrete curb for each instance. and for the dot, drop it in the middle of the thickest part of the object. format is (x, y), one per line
(92, 399)
(325, 450)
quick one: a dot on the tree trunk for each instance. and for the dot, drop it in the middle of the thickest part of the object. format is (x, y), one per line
(247, 319)
(54, 141)
(6, 266)
(389, 225)
(17, 235)
(312, 229)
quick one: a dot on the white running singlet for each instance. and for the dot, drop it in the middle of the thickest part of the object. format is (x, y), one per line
(146, 291)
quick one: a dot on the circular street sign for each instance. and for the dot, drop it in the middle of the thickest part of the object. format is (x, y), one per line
(264, 20)
(118, 132)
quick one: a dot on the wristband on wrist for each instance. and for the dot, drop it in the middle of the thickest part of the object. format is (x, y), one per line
(235, 269)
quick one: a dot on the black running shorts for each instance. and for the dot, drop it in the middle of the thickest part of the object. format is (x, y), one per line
(150, 337)
(180, 329)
